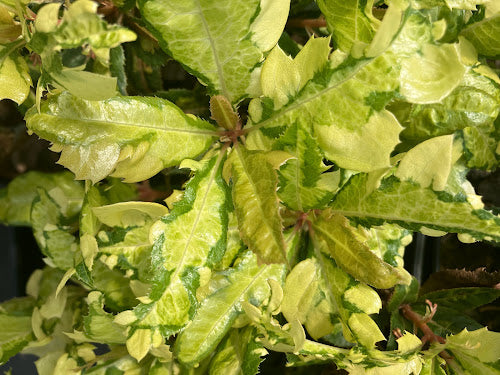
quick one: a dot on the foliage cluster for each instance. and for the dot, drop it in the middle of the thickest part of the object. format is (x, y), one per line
(308, 162)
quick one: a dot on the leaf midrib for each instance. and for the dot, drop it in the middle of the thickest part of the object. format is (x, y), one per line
(232, 305)
(196, 221)
(128, 124)
(265, 217)
(299, 103)
(411, 221)
(220, 73)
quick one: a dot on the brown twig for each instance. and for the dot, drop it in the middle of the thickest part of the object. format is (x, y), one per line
(421, 322)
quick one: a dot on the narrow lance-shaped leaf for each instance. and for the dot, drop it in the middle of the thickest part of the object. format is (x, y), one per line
(256, 204)
(339, 241)
(190, 238)
(415, 208)
(247, 282)
(128, 137)
(350, 22)
(231, 38)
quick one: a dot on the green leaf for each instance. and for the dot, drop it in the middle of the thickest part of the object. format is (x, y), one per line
(462, 298)
(117, 68)
(52, 235)
(85, 85)
(119, 365)
(346, 297)
(408, 205)
(480, 147)
(359, 134)
(433, 75)
(16, 199)
(81, 25)
(305, 298)
(388, 241)
(482, 35)
(128, 137)
(231, 39)
(303, 185)
(474, 103)
(238, 353)
(429, 163)
(476, 353)
(98, 324)
(129, 214)
(256, 204)
(115, 286)
(433, 366)
(403, 294)
(337, 239)
(89, 225)
(187, 241)
(247, 282)
(15, 320)
(350, 22)
(15, 81)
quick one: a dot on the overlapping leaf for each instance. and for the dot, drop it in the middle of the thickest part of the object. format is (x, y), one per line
(15, 80)
(17, 197)
(125, 241)
(254, 26)
(80, 27)
(256, 205)
(414, 207)
(15, 319)
(247, 282)
(350, 22)
(482, 33)
(338, 240)
(238, 353)
(54, 237)
(128, 137)
(190, 238)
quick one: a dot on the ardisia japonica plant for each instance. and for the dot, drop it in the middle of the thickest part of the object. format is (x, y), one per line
(306, 170)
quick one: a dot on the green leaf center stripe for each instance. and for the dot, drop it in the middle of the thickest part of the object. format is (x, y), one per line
(298, 103)
(337, 242)
(330, 288)
(400, 218)
(241, 295)
(197, 220)
(265, 217)
(214, 50)
(137, 125)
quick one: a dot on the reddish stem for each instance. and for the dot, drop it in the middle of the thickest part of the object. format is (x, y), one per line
(421, 322)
